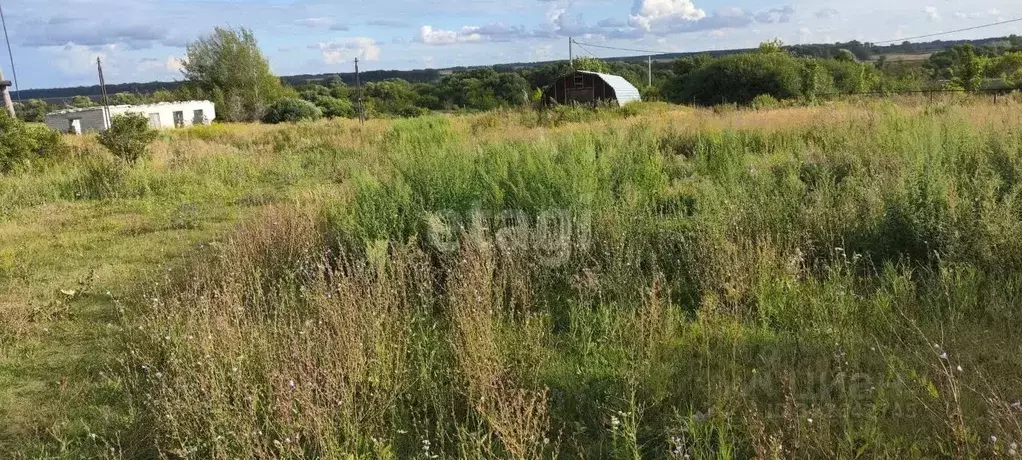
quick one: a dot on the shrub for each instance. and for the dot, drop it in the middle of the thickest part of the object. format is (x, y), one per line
(292, 111)
(740, 78)
(129, 137)
(764, 101)
(333, 107)
(21, 142)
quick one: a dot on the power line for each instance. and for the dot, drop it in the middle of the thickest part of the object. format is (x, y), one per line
(626, 49)
(14, 70)
(983, 26)
(949, 32)
(587, 50)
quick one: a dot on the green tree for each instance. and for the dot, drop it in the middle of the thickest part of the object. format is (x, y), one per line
(1009, 67)
(394, 96)
(127, 99)
(844, 55)
(163, 95)
(32, 110)
(21, 142)
(292, 110)
(740, 78)
(333, 107)
(772, 46)
(966, 68)
(229, 67)
(129, 137)
(590, 64)
(82, 102)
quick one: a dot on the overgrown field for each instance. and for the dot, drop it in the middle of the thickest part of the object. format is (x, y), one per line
(838, 281)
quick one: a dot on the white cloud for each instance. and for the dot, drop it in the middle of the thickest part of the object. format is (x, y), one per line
(992, 13)
(174, 64)
(467, 34)
(315, 22)
(77, 60)
(932, 13)
(646, 14)
(827, 13)
(541, 52)
(346, 49)
(322, 23)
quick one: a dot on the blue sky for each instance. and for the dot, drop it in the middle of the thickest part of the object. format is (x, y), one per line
(56, 42)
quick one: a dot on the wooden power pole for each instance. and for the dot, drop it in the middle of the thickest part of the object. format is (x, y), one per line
(102, 91)
(571, 53)
(649, 62)
(358, 89)
(4, 85)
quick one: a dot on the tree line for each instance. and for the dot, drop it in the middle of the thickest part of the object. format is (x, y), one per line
(228, 68)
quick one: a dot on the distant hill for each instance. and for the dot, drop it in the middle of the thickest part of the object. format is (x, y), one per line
(864, 51)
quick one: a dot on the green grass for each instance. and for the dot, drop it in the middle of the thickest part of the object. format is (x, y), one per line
(801, 282)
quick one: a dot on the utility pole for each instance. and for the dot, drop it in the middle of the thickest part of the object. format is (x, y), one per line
(4, 84)
(649, 63)
(102, 91)
(14, 70)
(358, 89)
(571, 55)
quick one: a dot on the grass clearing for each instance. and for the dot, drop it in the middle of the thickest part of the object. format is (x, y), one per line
(834, 281)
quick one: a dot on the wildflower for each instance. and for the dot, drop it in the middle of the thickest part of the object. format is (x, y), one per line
(614, 422)
(810, 420)
(993, 439)
(943, 355)
(959, 368)
(402, 431)
(291, 383)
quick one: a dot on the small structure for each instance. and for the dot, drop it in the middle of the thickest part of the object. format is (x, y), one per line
(582, 87)
(161, 115)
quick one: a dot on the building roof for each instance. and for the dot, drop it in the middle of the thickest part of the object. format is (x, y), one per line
(625, 92)
(100, 107)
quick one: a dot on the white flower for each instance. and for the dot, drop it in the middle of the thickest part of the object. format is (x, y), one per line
(959, 368)
(614, 422)
(810, 420)
(943, 355)
(993, 439)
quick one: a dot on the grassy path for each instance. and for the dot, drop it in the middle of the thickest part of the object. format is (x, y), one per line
(66, 265)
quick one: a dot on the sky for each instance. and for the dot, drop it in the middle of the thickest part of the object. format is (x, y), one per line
(56, 42)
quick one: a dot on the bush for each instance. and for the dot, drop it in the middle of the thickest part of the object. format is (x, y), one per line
(292, 111)
(129, 137)
(764, 102)
(740, 78)
(21, 142)
(333, 107)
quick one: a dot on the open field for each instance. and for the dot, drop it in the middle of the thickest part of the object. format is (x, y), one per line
(836, 281)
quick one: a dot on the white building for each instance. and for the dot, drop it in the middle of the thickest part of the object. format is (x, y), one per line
(162, 115)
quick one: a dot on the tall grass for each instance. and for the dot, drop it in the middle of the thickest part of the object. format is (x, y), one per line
(637, 290)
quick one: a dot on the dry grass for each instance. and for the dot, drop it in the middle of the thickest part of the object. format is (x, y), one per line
(752, 284)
